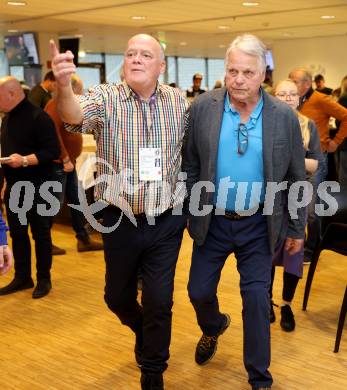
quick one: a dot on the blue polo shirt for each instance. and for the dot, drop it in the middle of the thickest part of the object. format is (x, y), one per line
(240, 177)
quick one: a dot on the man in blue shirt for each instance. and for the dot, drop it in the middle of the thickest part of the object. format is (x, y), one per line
(240, 143)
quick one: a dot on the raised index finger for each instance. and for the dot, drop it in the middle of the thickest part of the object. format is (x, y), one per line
(53, 49)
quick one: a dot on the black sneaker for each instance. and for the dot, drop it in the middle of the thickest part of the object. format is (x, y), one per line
(272, 312)
(151, 381)
(17, 284)
(307, 260)
(287, 319)
(207, 345)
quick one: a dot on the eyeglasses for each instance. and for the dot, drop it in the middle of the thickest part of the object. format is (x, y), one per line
(283, 95)
(242, 139)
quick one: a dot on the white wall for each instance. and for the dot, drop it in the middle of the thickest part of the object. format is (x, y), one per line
(43, 39)
(327, 56)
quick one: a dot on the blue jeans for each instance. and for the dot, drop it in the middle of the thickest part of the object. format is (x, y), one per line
(248, 238)
(313, 220)
(69, 181)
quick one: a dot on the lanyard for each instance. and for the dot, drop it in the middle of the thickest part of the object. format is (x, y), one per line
(147, 128)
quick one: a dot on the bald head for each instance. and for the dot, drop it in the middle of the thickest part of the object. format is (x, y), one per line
(150, 40)
(11, 93)
(144, 61)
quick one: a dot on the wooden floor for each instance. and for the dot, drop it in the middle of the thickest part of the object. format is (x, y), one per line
(70, 340)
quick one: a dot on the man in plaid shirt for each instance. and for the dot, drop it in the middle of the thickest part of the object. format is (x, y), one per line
(139, 129)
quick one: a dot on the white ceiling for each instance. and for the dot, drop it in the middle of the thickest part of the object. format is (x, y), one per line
(188, 27)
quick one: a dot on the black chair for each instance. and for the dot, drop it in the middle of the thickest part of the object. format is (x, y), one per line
(334, 230)
(341, 322)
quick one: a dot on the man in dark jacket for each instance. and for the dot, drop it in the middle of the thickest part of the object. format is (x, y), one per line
(41, 94)
(30, 143)
(240, 135)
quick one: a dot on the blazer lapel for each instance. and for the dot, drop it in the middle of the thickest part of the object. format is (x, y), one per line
(215, 116)
(269, 128)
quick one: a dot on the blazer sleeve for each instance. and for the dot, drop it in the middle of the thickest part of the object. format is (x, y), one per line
(190, 155)
(296, 173)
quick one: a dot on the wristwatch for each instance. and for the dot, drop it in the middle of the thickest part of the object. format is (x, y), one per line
(25, 162)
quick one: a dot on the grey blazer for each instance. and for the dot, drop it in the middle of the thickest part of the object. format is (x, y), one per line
(283, 157)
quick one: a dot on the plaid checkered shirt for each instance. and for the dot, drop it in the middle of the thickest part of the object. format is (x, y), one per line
(122, 124)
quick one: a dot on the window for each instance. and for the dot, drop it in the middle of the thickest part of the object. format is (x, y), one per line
(187, 67)
(3, 64)
(91, 57)
(89, 75)
(216, 71)
(113, 63)
(171, 69)
(17, 72)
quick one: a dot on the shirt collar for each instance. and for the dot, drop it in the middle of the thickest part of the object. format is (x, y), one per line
(306, 96)
(255, 113)
(129, 93)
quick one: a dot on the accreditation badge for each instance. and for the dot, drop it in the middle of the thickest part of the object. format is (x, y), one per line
(150, 164)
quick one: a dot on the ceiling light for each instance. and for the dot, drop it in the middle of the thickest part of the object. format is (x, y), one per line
(250, 4)
(183, 43)
(286, 34)
(78, 35)
(222, 46)
(12, 31)
(16, 3)
(223, 27)
(138, 17)
(328, 17)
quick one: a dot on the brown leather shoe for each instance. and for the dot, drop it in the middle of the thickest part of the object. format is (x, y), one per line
(87, 244)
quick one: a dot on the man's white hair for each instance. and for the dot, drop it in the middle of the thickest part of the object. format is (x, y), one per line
(250, 45)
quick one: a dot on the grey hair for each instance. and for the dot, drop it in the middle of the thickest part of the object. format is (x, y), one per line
(306, 74)
(251, 45)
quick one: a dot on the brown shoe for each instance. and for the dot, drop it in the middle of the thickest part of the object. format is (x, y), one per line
(87, 244)
(56, 251)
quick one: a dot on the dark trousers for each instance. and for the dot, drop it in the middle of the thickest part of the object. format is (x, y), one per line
(41, 232)
(69, 181)
(248, 239)
(290, 282)
(313, 220)
(155, 249)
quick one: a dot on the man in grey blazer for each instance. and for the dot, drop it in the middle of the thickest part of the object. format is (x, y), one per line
(241, 143)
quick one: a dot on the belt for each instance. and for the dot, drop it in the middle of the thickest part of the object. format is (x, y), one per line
(233, 215)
